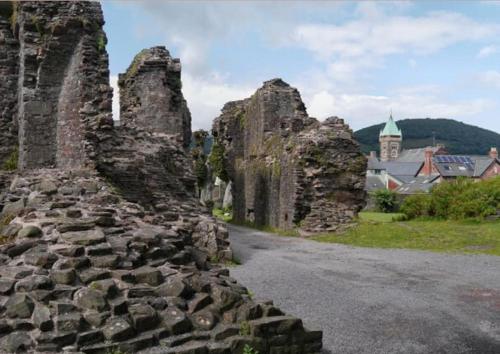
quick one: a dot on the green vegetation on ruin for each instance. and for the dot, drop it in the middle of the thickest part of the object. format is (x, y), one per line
(134, 66)
(101, 42)
(218, 161)
(223, 214)
(380, 230)
(10, 164)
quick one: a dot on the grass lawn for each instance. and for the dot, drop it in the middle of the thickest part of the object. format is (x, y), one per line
(378, 230)
(220, 214)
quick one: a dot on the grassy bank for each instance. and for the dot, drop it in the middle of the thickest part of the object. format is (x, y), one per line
(380, 231)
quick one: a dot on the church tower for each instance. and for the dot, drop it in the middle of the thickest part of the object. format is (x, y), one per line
(390, 140)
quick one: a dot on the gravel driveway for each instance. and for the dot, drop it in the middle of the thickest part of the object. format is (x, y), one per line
(375, 300)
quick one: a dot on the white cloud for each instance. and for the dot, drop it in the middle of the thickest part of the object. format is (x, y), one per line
(113, 81)
(391, 35)
(206, 97)
(364, 43)
(363, 110)
(487, 51)
(490, 78)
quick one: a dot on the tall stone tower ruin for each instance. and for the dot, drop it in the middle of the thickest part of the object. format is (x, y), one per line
(151, 96)
(391, 140)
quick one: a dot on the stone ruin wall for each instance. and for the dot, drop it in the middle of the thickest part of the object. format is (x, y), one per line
(289, 170)
(9, 50)
(151, 96)
(117, 256)
(63, 70)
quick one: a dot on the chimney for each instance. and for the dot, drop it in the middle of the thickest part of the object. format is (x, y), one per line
(493, 153)
(373, 154)
(427, 169)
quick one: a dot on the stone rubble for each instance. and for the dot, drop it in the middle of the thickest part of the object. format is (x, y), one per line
(88, 273)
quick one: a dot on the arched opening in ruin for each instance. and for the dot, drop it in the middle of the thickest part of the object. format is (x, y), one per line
(49, 79)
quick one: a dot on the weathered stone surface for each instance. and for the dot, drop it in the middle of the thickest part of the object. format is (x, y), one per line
(90, 299)
(58, 52)
(175, 320)
(41, 318)
(9, 67)
(151, 96)
(84, 238)
(16, 342)
(148, 275)
(19, 305)
(117, 329)
(30, 232)
(288, 170)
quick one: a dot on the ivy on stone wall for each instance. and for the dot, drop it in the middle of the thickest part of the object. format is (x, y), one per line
(218, 162)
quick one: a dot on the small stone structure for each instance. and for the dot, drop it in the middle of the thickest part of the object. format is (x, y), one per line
(151, 96)
(103, 245)
(289, 170)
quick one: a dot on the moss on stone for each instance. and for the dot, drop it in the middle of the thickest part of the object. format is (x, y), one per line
(134, 66)
(101, 42)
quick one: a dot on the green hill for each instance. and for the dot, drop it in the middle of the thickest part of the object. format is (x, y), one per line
(459, 138)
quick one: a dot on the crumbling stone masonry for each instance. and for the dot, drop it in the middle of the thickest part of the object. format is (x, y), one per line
(9, 51)
(289, 170)
(110, 250)
(151, 96)
(63, 70)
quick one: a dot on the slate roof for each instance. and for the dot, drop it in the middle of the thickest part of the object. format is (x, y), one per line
(374, 183)
(415, 155)
(397, 168)
(420, 184)
(375, 164)
(482, 165)
(462, 166)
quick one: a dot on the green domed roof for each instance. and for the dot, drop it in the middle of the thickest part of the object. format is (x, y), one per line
(391, 128)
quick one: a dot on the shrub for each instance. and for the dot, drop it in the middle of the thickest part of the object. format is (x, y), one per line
(385, 200)
(458, 199)
(249, 350)
(200, 170)
(218, 162)
(11, 163)
(417, 205)
(245, 328)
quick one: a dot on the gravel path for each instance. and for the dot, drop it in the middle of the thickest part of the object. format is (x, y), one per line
(374, 300)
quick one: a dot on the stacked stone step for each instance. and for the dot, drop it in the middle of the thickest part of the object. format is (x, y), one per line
(82, 270)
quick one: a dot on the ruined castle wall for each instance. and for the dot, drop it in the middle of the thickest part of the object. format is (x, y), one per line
(151, 96)
(9, 51)
(289, 170)
(64, 89)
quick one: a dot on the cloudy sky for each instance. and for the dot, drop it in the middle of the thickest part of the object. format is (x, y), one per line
(356, 60)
